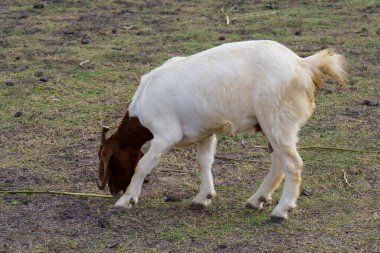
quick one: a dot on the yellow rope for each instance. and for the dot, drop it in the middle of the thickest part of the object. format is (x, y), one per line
(56, 192)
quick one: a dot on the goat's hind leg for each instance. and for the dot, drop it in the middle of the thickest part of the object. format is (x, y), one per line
(268, 186)
(205, 158)
(281, 131)
(292, 164)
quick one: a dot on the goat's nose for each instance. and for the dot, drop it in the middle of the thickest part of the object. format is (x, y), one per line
(116, 194)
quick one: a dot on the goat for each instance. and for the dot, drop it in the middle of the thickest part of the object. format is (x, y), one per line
(235, 87)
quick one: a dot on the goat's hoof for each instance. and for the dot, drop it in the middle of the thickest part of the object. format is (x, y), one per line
(197, 206)
(279, 213)
(252, 207)
(211, 195)
(277, 219)
(121, 207)
(126, 201)
(118, 209)
(263, 200)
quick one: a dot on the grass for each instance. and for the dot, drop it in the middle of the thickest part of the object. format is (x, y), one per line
(53, 144)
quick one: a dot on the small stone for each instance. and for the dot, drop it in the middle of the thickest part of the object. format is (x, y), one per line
(44, 79)
(25, 201)
(17, 114)
(9, 83)
(221, 37)
(103, 223)
(117, 48)
(307, 192)
(38, 74)
(272, 6)
(111, 245)
(174, 196)
(23, 67)
(370, 102)
(298, 32)
(222, 246)
(39, 6)
(23, 15)
(85, 41)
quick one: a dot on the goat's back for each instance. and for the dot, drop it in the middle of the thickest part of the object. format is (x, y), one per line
(223, 88)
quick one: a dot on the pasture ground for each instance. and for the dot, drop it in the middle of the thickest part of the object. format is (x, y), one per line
(52, 109)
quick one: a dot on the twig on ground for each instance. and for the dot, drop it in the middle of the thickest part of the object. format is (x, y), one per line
(333, 148)
(129, 27)
(348, 183)
(345, 178)
(228, 20)
(243, 16)
(84, 62)
(234, 159)
(56, 192)
(177, 171)
(309, 147)
(243, 143)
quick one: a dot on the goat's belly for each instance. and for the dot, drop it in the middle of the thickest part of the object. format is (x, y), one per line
(226, 127)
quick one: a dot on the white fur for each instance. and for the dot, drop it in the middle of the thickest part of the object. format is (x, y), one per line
(226, 90)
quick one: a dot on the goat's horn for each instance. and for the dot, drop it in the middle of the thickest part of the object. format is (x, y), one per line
(104, 131)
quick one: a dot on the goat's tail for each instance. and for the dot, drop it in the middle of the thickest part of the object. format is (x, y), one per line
(327, 63)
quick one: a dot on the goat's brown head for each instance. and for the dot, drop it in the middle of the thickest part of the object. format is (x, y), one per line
(119, 154)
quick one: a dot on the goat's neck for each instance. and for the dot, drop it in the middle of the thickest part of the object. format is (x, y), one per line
(132, 133)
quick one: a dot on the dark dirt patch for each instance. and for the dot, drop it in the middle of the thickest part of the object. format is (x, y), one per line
(72, 218)
(16, 178)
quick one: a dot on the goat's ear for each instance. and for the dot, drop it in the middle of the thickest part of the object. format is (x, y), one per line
(105, 160)
(104, 131)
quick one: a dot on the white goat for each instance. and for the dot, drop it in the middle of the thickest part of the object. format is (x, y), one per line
(226, 90)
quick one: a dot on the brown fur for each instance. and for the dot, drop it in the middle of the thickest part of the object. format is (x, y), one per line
(120, 154)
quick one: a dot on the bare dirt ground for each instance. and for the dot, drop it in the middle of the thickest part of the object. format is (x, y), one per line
(67, 67)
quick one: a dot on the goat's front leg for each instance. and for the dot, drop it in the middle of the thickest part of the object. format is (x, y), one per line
(158, 148)
(205, 158)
